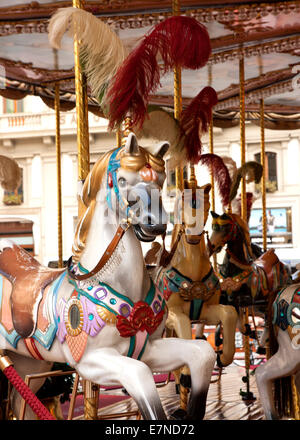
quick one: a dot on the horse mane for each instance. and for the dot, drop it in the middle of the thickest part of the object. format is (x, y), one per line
(87, 203)
(245, 229)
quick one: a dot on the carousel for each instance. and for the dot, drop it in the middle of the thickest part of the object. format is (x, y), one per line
(153, 334)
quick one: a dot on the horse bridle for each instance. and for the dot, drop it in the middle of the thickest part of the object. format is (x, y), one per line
(124, 225)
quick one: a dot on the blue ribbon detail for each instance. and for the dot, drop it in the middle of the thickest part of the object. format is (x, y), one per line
(113, 166)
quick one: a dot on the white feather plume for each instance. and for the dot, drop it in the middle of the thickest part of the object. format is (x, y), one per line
(101, 50)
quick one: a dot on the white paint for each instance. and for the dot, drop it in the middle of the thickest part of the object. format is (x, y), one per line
(5, 243)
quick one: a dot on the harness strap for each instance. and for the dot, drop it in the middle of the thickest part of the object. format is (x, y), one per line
(32, 348)
(166, 257)
(105, 257)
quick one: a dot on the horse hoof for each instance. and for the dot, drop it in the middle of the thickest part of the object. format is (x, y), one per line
(124, 391)
(179, 414)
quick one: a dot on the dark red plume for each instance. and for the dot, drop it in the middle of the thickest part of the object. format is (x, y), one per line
(220, 173)
(179, 41)
(195, 120)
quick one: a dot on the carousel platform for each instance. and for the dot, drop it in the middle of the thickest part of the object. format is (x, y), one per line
(224, 401)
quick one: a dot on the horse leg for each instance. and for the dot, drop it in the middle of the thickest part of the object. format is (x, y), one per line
(25, 366)
(164, 355)
(107, 367)
(200, 331)
(283, 363)
(227, 315)
(182, 326)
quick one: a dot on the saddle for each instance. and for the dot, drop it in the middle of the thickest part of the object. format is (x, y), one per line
(267, 261)
(29, 279)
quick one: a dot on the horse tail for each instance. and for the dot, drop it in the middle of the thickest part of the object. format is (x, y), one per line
(282, 391)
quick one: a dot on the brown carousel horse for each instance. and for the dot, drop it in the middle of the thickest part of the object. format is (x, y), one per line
(247, 275)
(186, 278)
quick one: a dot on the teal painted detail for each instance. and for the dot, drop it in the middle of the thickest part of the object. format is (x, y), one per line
(46, 339)
(91, 317)
(195, 310)
(113, 301)
(131, 346)
(13, 337)
(143, 349)
(151, 293)
(80, 267)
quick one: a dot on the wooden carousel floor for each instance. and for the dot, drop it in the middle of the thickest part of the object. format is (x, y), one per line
(223, 403)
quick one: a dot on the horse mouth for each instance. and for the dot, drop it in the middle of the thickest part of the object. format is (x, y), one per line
(142, 235)
(192, 239)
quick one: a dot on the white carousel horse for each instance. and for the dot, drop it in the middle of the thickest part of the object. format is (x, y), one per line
(286, 360)
(103, 317)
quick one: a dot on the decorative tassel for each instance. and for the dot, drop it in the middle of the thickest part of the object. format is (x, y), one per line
(251, 170)
(101, 50)
(179, 41)
(10, 173)
(221, 174)
(195, 120)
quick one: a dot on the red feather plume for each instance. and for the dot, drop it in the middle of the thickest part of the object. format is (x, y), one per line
(179, 41)
(195, 120)
(220, 173)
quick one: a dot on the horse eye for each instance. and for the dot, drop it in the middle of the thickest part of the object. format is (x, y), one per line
(122, 182)
(194, 203)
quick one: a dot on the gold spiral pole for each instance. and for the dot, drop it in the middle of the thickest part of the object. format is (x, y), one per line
(295, 397)
(58, 170)
(211, 150)
(81, 108)
(246, 395)
(177, 100)
(263, 179)
(179, 169)
(91, 395)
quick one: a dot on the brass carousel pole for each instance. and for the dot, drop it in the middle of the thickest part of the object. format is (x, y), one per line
(58, 169)
(245, 395)
(179, 169)
(91, 391)
(211, 150)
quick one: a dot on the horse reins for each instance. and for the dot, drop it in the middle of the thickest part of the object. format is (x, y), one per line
(122, 228)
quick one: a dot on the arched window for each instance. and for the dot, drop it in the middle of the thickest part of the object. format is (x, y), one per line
(270, 170)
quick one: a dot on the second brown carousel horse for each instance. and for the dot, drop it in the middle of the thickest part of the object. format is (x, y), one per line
(245, 278)
(190, 286)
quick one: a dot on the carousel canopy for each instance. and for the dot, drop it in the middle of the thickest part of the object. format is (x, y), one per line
(267, 33)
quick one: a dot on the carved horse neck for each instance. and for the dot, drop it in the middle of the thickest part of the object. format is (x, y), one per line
(192, 260)
(237, 251)
(126, 258)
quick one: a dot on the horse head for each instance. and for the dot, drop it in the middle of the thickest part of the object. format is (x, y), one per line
(136, 184)
(193, 205)
(224, 229)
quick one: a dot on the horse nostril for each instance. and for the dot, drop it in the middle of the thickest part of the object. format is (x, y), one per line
(150, 221)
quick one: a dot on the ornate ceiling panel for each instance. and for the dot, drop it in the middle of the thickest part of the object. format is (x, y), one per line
(269, 33)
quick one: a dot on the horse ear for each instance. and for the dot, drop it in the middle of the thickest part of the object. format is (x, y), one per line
(163, 148)
(224, 216)
(214, 214)
(131, 146)
(207, 188)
